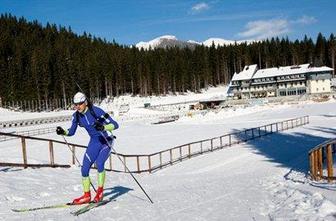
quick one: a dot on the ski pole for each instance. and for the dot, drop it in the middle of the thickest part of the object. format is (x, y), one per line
(126, 167)
(77, 161)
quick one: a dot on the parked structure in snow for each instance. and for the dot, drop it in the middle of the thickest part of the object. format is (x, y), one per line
(280, 81)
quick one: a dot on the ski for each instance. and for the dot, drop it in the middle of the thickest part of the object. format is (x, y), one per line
(64, 205)
(90, 206)
(56, 206)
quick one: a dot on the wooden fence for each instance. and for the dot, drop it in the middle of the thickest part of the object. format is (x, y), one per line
(159, 160)
(41, 105)
(321, 161)
(30, 122)
(34, 132)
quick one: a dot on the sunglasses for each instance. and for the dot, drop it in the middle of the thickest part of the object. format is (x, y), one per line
(78, 104)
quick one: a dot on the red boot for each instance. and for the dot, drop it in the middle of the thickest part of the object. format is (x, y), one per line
(100, 194)
(86, 198)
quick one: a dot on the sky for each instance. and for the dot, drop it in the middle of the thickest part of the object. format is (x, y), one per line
(131, 21)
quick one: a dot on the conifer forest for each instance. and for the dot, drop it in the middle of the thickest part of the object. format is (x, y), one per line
(47, 62)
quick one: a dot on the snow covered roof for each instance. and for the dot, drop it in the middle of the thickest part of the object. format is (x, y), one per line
(251, 71)
(246, 74)
(289, 70)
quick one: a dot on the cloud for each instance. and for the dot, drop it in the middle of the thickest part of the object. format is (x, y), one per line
(200, 7)
(265, 28)
(306, 20)
(262, 29)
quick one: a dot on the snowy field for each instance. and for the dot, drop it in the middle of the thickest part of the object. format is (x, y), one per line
(263, 179)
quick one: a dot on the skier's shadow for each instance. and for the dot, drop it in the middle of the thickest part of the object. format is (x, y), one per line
(115, 192)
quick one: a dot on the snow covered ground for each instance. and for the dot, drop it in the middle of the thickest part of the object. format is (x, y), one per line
(263, 179)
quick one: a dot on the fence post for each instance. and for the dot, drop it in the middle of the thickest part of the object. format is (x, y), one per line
(311, 161)
(110, 161)
(160, 159)
(24, 152)
(149, 164)
(259, 132)
(180, 153)
(138, 164)
(211, 143)
(320, 162)
(51, 153)
(316, 165)
(329, 162)
(171, 156)
(73, 154)
(189, 151)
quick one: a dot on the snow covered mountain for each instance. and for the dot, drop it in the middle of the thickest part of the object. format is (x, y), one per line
(171, 41)
(164, 42)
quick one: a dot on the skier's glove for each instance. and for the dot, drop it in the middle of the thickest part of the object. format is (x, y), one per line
(60, 131)
(99, 126)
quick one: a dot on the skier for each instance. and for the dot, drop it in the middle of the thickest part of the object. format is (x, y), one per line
(97, 123)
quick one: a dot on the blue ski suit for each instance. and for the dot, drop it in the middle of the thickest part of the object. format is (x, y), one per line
(98, 149)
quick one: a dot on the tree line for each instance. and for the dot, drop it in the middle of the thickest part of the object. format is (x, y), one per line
(49, 62)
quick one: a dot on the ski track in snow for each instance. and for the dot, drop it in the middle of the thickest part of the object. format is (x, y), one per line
(290, 202)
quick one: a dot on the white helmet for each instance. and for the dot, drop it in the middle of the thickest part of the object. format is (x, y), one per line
(79, 98)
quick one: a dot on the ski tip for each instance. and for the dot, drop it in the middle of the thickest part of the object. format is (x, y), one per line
(18, 210)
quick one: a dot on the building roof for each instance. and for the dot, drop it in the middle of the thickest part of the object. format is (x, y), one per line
(289, 70)
(246, 74)
(251, 71)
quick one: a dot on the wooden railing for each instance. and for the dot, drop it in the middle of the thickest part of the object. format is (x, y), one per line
(34, 132)
(30, 122)
(321, 161)
(161, 159)
(177, 154)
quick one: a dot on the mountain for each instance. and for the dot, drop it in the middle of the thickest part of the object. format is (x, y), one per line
(164, 42)
(171, 41)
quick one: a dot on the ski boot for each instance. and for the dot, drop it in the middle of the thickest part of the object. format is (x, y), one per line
(99, 196)
(86, 198)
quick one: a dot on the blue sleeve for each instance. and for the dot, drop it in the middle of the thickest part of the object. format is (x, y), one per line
(101, 114)
(72, 130)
